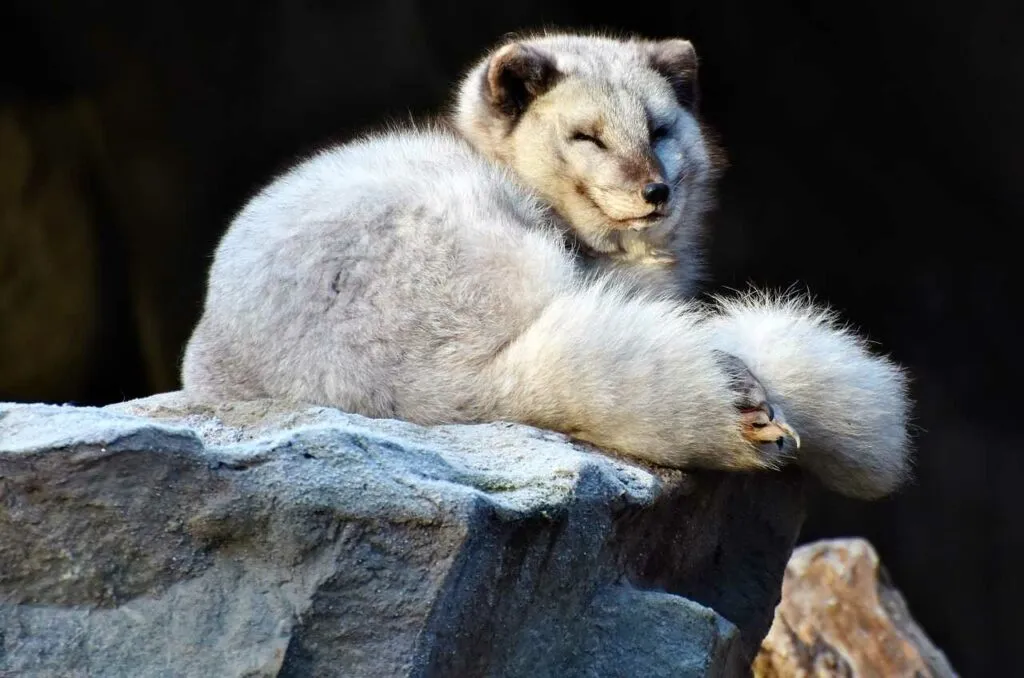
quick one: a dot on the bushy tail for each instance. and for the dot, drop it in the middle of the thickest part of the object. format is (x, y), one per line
(849, 406)
(628, 373)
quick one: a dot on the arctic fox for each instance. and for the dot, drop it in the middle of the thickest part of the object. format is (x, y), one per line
(417, 275)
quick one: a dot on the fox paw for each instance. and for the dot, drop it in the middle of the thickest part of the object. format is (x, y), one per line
(761, 423)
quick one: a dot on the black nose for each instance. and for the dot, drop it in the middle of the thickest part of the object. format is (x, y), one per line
(656, 193)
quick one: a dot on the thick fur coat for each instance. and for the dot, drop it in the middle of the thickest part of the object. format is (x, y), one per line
(519, 269)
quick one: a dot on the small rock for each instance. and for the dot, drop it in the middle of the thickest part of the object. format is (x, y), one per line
(841, 616)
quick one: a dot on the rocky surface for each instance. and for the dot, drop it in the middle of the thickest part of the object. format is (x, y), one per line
(162, 538)
(840, 615)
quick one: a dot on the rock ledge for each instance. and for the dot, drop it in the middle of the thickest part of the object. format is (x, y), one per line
(163, 538)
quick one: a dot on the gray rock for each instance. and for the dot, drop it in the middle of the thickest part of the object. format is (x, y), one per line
(163, 538)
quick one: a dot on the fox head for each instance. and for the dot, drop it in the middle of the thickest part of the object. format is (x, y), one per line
(605, 130)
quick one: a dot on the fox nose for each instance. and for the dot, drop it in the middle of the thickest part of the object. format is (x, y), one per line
(655, 193)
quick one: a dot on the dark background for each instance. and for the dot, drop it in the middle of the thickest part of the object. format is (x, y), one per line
(877, 159)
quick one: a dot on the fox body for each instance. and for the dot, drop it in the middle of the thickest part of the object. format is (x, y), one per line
(424, 274)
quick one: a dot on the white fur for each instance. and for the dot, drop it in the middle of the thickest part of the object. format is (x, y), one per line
(453, 300)
(610, 85)
(404, 275)
(850, 407)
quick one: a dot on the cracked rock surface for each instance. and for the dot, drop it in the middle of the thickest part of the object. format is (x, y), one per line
(160, 537)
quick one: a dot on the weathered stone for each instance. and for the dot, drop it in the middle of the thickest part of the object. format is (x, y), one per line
(840, 615)
(163, 538)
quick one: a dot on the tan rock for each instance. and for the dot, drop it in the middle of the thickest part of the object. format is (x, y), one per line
(840, 615)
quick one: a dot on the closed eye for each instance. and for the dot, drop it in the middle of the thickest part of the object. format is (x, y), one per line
(587, 138)
(660, 133)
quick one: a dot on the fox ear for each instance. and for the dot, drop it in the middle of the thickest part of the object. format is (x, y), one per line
(676, 61)
(516, 75)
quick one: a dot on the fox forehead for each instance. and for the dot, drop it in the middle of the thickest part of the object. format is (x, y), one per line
(609, 75)
(591, 55)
